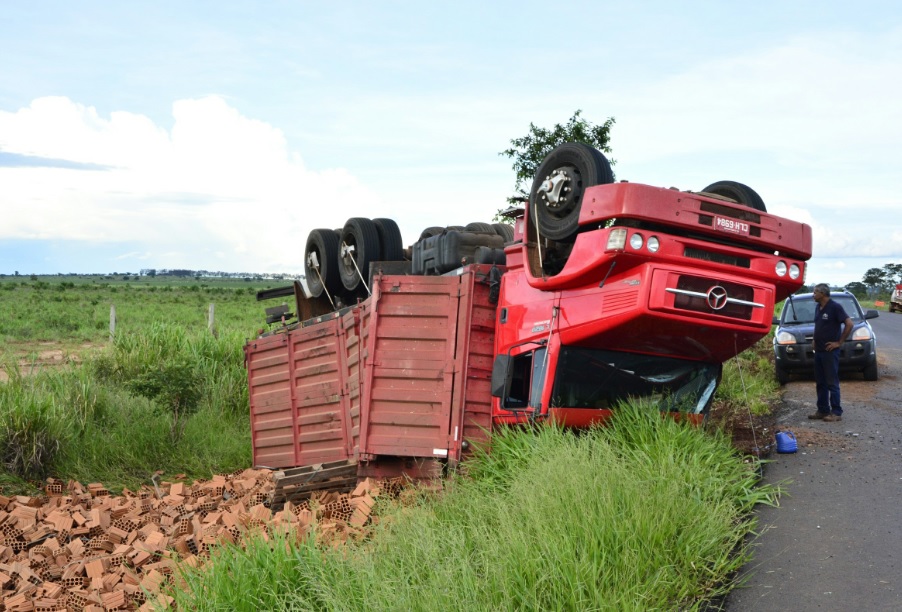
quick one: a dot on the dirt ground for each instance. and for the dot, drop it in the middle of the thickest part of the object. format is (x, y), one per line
(755, 435)
(31, 357)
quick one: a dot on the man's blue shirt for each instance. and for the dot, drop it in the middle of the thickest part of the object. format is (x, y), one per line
(828, 324)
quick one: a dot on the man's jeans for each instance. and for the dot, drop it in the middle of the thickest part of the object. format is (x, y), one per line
(826, 377)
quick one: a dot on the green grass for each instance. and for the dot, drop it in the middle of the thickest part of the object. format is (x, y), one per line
(645, 515)
(91, 420)
(749, 380)
(77, 310)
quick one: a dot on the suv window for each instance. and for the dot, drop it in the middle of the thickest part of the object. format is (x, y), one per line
(802, 309)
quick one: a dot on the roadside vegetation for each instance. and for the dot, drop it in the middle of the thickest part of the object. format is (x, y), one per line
(642, 515)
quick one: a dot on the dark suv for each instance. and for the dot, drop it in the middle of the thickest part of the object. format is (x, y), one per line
(793, 347)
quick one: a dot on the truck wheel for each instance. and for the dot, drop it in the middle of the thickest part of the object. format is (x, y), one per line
(870, 372)
(480, 228)
(557, 190)
(390, 240)
(456, 228)
(361, 235)
(782, 375)
(323, 243)
(505, 231)
(737, 191)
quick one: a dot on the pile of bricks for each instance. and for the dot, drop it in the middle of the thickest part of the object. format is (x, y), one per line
(80, 548)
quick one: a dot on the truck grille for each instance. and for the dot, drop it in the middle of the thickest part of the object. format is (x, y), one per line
(730, 260)
(698, 288)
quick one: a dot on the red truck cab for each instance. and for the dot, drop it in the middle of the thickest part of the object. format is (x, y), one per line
(659, 287)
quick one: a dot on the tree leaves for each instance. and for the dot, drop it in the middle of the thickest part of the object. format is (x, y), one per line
(529, 151)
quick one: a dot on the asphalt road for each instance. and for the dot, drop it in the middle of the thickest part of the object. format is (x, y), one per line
(835, 541)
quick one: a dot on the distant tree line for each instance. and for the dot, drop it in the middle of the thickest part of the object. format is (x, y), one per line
(182, 273)
(877, 281)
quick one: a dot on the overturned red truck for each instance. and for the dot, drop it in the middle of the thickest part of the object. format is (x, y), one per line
(397, 360)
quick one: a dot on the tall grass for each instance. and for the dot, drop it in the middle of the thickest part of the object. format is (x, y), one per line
(88, 423)
(748, 379)
(644, 515)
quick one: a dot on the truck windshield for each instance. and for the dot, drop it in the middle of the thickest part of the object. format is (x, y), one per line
(593, 378)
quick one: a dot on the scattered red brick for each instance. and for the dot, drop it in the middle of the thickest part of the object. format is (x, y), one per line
(80, 548)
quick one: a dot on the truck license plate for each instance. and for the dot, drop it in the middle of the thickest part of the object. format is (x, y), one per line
(731, 225)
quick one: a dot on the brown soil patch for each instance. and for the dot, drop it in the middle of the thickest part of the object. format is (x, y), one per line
(34, 357)
(756, 435)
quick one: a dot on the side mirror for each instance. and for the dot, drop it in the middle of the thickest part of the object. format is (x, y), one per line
(502, 372)
(775, 321)
(871, 314)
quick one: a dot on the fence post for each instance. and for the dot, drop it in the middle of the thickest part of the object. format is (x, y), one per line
(210, 320)
(112, 321)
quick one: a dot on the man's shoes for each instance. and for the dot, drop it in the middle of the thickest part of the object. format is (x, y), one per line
(832, 418)
(819, 415)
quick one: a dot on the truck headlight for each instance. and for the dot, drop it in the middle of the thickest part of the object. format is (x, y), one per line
(653, 244)
(794, 271)
(616, 239)
(781, 268)
(636, 241)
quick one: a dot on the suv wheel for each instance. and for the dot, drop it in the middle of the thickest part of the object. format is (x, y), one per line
(782, 376)
(870, 372)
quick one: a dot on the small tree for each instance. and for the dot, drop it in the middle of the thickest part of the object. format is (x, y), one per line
(893, 273)
(529, 151)
(177, 389)
(875, 278)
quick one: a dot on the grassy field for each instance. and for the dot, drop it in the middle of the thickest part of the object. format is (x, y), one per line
(645, 515)
(164, 394)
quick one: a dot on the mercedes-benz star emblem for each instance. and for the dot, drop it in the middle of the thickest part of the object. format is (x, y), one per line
(717, 297)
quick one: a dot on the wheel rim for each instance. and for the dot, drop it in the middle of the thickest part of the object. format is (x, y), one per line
(560, 191)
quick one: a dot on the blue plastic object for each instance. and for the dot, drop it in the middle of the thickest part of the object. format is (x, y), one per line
(786, 442)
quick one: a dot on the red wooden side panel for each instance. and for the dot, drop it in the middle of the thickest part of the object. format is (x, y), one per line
(318, 358)
(410, 370)
(352, 324)
(269, 387)
(477, 348)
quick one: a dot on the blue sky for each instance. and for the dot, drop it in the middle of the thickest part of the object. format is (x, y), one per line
(216, 135)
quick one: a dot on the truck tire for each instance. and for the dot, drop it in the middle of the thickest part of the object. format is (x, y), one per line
(557, 190)
(870, 372)
(737, 191)
(480, 228)
(390, 240)
(505, 231)
(362, 235)
(782, 375)
(429, 232)
(324, 244)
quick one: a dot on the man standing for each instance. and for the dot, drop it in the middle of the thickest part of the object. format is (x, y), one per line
(831, 328)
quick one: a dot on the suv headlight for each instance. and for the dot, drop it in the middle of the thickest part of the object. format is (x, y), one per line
(862, 333)
(784, 337)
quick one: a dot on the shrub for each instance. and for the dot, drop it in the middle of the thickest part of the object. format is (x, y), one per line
(176, 387)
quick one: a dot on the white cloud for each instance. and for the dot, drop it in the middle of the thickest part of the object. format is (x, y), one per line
(220, 191)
